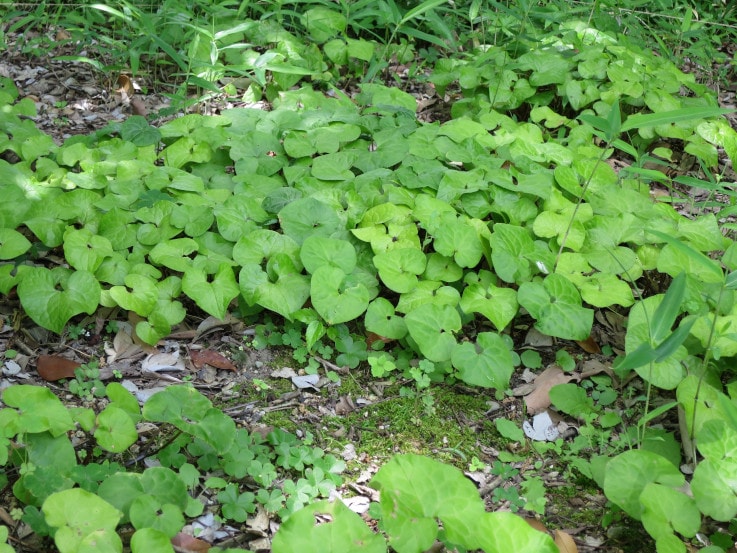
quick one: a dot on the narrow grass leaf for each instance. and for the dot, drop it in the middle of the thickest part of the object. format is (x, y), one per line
(655, 413)
(419, 10)
(666, 313)
(667, 117)
(673, 342)
(708, 264)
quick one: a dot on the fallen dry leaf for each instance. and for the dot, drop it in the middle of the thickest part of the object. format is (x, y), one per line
(539, 399)
(124, 346)
(184, 543)
(138, 107)
(589, 345)
(212, 358)
(125, 86)
(372, 337)
(592, 367)
(564, 542)
(537, 339)
(536, 524)
(133, 320)
(53, 367)
(344, 406)
(165, 361)
(213, 323)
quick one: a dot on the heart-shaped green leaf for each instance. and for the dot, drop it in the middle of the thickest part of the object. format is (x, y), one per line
(174, 253)
(285, 296)
(142, 298)
(343, 530)
(137, 130)
(259, 245)
(630, 472)
(398, 268)
(52, 297)
(12, 243)
(213, 296)
(499, 305)
(318, 251)
(509, 244)
(556, 305)
(416, 493)
(336, 296)
(486, 363)
(428, 291)
(115, 430)
(84, 250)
(713, 485)
(381, 319)
(442, 268)
(308, 216)
(432, 326)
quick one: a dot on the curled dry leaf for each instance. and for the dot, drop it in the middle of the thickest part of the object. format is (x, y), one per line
(138, 107)
(589, 345)
(123, 345)
(306, 381)
(592, 367)
(184, 543)
(53, 367)
(212, 358)
(536, 524)
(565, 542)
(283, 372)
(163, 362)
(213, 323)
(125, 86)
(372, 337)
(344, 406)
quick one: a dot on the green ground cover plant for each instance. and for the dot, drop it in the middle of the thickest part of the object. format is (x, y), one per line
(380, 239)
(82, 504)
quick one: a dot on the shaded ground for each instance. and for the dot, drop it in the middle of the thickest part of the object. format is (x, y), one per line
(360, 419)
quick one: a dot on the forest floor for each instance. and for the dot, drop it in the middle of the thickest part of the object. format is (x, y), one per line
(360, 419)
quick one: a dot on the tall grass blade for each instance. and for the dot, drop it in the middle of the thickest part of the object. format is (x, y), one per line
(675, 116)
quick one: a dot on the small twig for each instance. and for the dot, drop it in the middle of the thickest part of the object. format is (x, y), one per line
(282, 407)
(332, 366)
(235, 409)
(154, 375)
(490, 486)
(22, 345)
